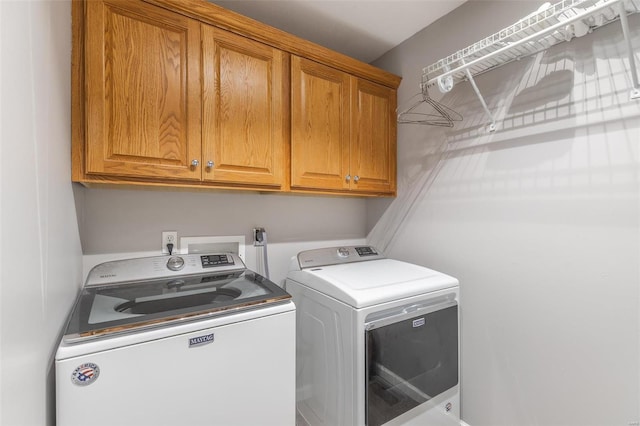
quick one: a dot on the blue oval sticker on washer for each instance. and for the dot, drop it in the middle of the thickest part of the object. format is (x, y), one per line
(85, 374)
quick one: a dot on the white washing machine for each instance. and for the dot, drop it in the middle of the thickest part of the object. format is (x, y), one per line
(377, 340)
(183, 340)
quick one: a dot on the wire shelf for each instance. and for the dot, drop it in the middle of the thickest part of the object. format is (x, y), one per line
(549, 25)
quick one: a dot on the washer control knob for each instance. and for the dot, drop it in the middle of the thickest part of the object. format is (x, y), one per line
(175, 263)
(343, 252)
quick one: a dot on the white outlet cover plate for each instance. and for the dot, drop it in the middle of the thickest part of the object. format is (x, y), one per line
(165, 235)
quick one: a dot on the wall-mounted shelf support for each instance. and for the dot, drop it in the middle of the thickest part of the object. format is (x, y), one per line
(549, 25)
(492, 125)
(635, 92)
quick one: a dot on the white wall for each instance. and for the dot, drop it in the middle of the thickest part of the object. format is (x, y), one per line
(539, 221)
(40, 256)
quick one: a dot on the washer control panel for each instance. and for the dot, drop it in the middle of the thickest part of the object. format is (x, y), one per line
(336, 255)
(147, 268)
(215, 260)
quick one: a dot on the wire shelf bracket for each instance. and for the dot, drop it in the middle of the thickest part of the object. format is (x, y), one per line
(624, 22)
(492, 125)
(549, 25)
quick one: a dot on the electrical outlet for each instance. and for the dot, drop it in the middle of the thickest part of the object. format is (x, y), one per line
(258, 237)
(169, 237)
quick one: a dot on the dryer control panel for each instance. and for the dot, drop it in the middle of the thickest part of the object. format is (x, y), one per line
(336, 255)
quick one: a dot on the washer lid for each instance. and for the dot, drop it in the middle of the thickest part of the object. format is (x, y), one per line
(103, 310)
(363, 284)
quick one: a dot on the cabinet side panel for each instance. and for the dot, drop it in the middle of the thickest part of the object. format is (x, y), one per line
(77, 91)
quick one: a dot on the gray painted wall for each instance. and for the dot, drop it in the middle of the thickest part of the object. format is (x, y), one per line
(40, 255)
(125, 221)
(132, 220)
(539, 221)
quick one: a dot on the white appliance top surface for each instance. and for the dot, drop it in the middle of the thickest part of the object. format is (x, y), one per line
(366, 283)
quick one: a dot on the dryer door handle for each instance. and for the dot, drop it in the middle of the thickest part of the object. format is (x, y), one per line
(406, 312)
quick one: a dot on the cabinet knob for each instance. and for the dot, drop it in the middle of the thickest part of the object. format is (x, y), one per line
(348, 177)
(209, 164)
(195, 163)
(356, 178)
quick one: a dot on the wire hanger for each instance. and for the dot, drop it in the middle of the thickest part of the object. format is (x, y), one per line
(443, 116)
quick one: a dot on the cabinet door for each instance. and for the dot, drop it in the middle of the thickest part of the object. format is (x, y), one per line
(373, 137)
(143, 91)
(245, 116)
(319, 126)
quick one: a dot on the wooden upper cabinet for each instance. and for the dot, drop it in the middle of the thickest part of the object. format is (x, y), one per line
(373, 137)
(319, 126)
(343, 132)
(142, 91)
(244, 110)
(183, 93)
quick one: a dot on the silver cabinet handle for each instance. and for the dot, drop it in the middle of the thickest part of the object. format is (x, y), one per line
(209, 164)
(195, 163)
(356, 178)
(348, 177)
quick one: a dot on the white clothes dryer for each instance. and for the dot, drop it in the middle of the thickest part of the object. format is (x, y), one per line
(377, 340)
(185, 340)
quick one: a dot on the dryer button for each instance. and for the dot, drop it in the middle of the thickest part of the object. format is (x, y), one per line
(175, 263)
(343, 252)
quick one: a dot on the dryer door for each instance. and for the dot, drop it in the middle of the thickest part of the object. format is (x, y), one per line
(411, 357)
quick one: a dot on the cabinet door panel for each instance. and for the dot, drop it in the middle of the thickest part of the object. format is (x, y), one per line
(319, 126)
(373, 137)
(143, 85)
(244, 109)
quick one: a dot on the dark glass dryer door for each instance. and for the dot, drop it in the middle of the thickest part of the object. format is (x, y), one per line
(410, 358)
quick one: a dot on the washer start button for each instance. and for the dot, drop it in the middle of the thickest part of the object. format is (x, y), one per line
(175, 263)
